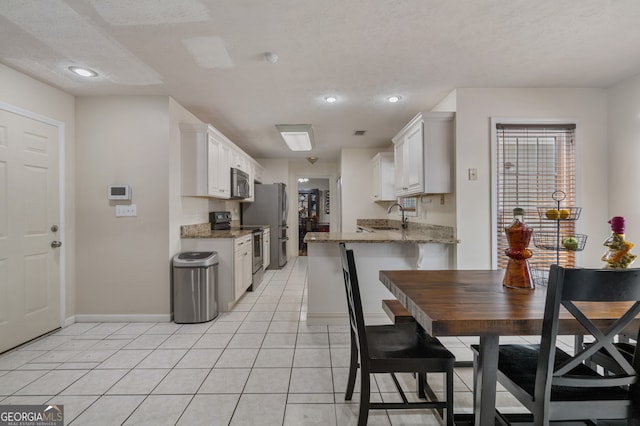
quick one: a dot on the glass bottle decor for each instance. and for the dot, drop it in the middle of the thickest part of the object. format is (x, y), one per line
(618, 254)
(518, 234)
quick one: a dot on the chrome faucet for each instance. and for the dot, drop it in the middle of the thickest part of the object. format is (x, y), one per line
(405, 220)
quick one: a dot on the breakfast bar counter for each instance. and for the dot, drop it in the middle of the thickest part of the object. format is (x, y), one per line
(379, 236)
(420, 246)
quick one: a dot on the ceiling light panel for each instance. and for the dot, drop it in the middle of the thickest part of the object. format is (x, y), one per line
(298, 137)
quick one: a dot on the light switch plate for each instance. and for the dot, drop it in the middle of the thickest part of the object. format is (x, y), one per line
(123, 210)
(473, 174)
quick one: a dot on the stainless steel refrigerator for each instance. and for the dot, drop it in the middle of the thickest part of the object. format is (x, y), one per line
(270, 208)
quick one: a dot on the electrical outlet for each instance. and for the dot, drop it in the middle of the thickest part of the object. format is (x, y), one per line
(126, 210)
(473, 174)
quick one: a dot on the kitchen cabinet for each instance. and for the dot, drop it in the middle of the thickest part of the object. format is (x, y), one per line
(383, 177)
(259, 173)
(234, 267)
(240, 160)
(204, 161)
(423, 154)
(266, 248)
(242, 265)
(224, 170)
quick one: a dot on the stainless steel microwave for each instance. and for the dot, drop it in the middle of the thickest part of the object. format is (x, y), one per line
(240, 185)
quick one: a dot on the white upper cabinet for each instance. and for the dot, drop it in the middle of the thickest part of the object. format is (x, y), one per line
(259, 175)
(202, 156)
(383, 177)
(224, 169)
(207, 157)
(423, 153)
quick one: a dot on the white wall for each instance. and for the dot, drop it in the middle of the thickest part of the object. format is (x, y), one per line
(475, 108)
(357, 188)
(19, 90)
(275, 169)
(122, 263)
(321, 184)
(624, 154)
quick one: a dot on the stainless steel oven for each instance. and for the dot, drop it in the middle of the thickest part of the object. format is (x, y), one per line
(258, 255)
(258, 267)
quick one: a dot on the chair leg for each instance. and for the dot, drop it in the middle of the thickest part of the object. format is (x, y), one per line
(449, 397)
(353, 370)
(421, 379)
(365, 397)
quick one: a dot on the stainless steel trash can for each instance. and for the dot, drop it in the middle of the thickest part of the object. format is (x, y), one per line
(195, 281)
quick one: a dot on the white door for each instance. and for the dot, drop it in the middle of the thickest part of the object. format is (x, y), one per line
(29, 265)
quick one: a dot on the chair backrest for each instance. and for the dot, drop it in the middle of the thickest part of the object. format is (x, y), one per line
(584, 286)
(354, 302)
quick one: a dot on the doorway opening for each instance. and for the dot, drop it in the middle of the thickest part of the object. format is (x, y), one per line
(314, 209)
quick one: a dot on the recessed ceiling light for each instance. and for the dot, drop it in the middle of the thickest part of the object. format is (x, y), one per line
(83, 72)
(393, 99)
(331, 99)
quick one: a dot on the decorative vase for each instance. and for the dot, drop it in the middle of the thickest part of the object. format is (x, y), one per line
(618, 254)
(518, 274)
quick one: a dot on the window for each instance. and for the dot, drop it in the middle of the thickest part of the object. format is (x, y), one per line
(534, 161)
(410, 205)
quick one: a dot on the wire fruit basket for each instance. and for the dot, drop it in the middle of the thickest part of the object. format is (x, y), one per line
(555, 213)
(556, 241)
(560, 240)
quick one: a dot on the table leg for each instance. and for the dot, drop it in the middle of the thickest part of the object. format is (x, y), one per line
(484, 388)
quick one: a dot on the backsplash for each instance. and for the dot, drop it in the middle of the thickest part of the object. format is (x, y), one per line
(196, 230)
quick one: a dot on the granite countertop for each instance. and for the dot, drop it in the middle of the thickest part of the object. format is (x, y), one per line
(415, 233)
(203, 230)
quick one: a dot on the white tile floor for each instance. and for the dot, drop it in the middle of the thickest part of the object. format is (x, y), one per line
(260, 364)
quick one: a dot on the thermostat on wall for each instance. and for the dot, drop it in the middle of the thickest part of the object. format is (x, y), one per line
(119, 192)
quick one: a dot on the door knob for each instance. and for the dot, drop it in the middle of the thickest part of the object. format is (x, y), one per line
(56, 244)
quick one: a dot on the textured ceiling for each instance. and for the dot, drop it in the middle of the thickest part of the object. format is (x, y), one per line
(209, 56)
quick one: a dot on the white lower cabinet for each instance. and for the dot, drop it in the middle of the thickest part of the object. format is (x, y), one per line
(266, 249)
(235, 259)
(243, 259)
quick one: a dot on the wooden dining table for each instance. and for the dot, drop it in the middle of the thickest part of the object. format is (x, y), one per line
(474, 303)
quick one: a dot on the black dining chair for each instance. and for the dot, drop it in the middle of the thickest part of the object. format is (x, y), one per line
(557, 386)
(393, 348)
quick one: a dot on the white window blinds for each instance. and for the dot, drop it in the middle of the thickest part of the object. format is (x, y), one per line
(533, 162)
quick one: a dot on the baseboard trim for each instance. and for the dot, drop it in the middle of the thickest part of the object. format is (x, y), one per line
(343, 319)
(123, 318)
(68, 321)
